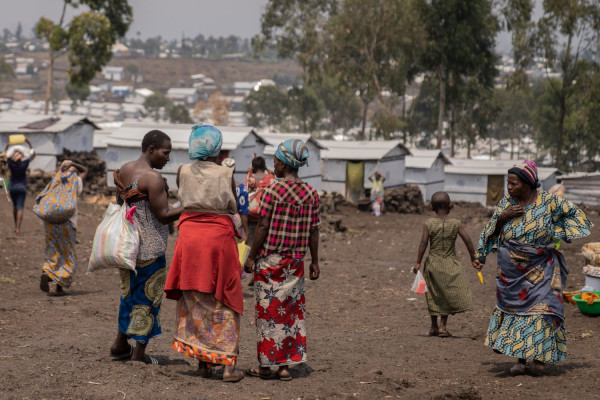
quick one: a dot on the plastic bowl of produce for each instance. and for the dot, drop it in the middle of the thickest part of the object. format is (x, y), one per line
(590, 304)
(569, 296)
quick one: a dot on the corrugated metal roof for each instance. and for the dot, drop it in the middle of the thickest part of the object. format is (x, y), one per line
(491, 167)
(273, 139)
(131, 135)
(358, 150)
(424, 159)
(14, 122)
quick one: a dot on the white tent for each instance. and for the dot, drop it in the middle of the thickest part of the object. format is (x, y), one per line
(49, 135)
(348, 165)
(425, 168)
(484, 181)
(125, 144)
(310, 173)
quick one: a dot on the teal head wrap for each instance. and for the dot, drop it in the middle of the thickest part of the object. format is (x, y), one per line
(205, 141)
(292, 152)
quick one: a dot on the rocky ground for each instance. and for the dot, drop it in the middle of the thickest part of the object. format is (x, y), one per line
(367, 333)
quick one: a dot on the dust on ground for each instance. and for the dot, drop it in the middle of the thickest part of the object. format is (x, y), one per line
(367, 333)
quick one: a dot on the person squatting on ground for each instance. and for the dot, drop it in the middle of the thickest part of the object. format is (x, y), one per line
(60, 261)
(18, 165)
(205, 273)
(448, 290)
(288, 227)
(528, 322)
(140, 185)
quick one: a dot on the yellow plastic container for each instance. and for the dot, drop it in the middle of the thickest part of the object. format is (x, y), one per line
(16, 139)
(243, 250)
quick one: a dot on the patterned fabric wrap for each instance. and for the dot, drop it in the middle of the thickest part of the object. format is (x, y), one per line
(549, 218)
(293, 152)
(529, 337)
(241, 195)
(207, 329)
(141, 297)
(256, 188)
(293, 209)
(280, 308)
(57, 203)
(448, 287)
(527, 172)
(205, 141)
(60, 261)
(116, 242)
(530, 281)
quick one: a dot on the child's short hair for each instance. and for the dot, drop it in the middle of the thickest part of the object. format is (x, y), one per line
(441, 201)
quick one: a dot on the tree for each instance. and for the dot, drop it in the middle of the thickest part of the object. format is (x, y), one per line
(424, 108)
(460, 43)
(514, 115)
(87, 38)
(265, 107)
(306, 108)
(179, 114)
(77, 93)
(219, 109)
(374, 45)
(567, 30)
(341, 104)
(157, 102)
(6, 71)
(18, 32)
(133, 70)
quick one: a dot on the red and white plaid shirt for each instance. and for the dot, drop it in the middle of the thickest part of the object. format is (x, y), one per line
(293, 210)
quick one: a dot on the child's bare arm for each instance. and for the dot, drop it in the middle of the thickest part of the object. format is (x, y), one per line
(470, 248)
(422, 248)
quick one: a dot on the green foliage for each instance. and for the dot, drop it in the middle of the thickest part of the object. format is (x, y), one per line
(77, 93)
(6, 71)
(89, 44)
(266, 106)
(341, 104)
(157, 102)
(424, 108)
(305, 108)
(179, 114)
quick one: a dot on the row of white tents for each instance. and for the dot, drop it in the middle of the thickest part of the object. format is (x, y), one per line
(334, 166)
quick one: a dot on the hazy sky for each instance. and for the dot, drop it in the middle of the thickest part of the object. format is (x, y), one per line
(169, 18)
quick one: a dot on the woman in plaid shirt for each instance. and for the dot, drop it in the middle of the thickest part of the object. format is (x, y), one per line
(287, 229)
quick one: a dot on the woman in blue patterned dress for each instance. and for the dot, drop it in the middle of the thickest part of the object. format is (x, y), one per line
(528, 322)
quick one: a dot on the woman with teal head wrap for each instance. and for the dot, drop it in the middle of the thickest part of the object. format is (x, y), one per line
(293, 152)
(205, 141)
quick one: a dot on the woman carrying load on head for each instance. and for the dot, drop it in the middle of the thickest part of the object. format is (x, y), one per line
(205, 275)
(287, 229)
(60, 259)
(528, 322)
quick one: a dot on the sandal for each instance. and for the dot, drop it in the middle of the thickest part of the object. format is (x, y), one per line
(149, 360)
(256, 372)
(45, 283)
(518, 369)
(434, 332)
(444, 334)
(126, 355)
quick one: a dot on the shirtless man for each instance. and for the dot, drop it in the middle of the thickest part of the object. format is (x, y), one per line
(141, 294)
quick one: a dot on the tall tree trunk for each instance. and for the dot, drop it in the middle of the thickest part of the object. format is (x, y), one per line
(512, 144)
(451, 132)
(362, 135)
(468, 149)
(442, 106)
(50, 79)
(566, 82)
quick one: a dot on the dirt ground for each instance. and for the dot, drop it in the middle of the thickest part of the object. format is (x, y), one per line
(367, 333)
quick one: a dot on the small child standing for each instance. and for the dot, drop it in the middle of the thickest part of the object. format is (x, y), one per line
(448, 291)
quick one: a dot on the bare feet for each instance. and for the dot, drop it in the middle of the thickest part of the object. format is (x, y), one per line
(284, 373)
(45, 283)
(204, 369)
(538, 366)
(230, 374)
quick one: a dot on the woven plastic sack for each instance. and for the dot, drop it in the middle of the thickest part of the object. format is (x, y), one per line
(117, 240)
(419, 286)
(57, 203)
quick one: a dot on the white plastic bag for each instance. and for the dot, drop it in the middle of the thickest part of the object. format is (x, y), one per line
(116, 242)
(419, 286)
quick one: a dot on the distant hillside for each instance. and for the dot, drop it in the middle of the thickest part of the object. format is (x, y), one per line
(160, 74)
